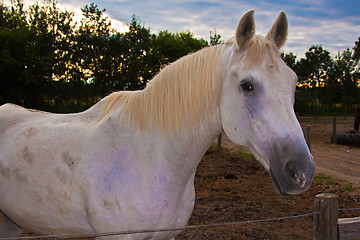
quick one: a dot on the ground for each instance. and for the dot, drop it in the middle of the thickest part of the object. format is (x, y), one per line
(339, 161)
(233, 187)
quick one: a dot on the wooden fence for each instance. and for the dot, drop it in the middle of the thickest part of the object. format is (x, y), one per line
(327, 225)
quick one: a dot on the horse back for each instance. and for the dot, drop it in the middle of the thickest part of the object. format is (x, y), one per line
(11, 114)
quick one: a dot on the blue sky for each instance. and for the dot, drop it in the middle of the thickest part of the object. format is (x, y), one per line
(334, 24)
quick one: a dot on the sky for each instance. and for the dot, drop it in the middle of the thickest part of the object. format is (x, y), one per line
(332, 23)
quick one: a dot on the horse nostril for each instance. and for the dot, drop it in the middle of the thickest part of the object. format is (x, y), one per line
(293, 173)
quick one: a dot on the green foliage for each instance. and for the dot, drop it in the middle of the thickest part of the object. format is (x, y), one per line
(49, 60)
(172, 46)
(90, 59)
(26, 59)
(141, 61)
(357, 50)
(289, 59)
(215, 38)
(315, 66)
(324, 82)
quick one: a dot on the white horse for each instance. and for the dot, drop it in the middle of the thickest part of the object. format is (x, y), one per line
(128, 163)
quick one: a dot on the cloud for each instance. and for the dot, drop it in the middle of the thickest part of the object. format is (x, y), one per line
(333, 34)
(310, 22)
(335, 26)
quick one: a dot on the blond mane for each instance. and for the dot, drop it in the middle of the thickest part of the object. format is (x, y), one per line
(184, 93)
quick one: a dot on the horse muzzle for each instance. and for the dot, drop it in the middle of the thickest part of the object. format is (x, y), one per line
(294, 175)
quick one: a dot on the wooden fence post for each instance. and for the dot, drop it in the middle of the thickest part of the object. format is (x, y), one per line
(334, 130)
(326, 217)
(219, 141)
(308, 136)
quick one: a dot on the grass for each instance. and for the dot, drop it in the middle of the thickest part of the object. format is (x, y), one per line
(349, 187)
(321, 178)
(241, 153)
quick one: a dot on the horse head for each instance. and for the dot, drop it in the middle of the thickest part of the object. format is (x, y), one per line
(257, 105)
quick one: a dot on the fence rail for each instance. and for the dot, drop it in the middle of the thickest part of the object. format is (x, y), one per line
(349, 228)
(106, 234)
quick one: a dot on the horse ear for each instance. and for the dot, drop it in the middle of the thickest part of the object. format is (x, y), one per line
(279, 30)
(245, 30)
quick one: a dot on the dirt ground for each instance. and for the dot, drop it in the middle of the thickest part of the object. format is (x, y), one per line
(231, 188)
(339, 161)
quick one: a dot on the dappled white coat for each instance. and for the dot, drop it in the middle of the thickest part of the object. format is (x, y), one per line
(88, 179)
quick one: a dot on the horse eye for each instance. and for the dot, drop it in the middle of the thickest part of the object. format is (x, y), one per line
(246, 86)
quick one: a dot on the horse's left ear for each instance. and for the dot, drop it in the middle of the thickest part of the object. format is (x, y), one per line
(279, 30)
(245, 30)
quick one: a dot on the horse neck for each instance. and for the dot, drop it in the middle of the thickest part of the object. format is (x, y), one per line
(180, 106)
(197, 123)
(187, 94)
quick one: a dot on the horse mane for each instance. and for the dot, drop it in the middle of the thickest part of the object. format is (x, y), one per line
(182, 94)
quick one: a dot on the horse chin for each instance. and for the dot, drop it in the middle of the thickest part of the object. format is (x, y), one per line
(276, 184)
(296, 190)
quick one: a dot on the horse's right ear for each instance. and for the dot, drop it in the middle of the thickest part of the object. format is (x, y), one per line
(245, 30)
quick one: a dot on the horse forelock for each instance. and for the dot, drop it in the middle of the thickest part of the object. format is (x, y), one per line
(181, 95)
(254, 54)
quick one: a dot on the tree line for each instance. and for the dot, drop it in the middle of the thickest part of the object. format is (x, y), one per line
(326, 84)
(49, 61)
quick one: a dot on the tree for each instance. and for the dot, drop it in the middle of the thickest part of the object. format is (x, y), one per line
(46, 56)
(356, 49)
(347, 75)
(356, 59)
(34, 47)
(141, 60)
(55, 28)
(331, 93)
(215, 38)
(172, 46)
(289, 59)
(26, 59)
(301, 97)
(88, 66)
(315, 66)
(313, 71)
